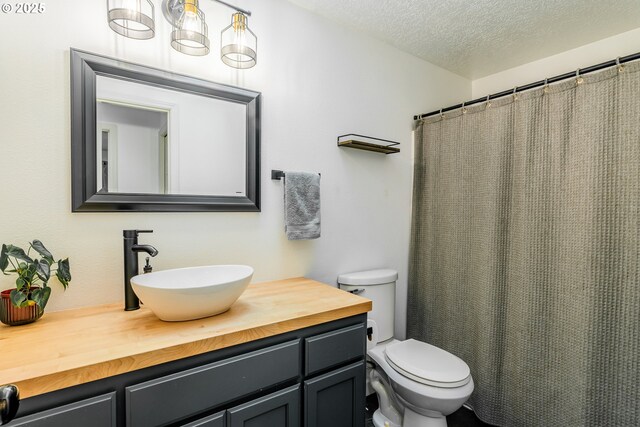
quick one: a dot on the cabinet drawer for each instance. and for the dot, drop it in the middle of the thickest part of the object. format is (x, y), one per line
(184, 394)
(334, 348)
(98, 411)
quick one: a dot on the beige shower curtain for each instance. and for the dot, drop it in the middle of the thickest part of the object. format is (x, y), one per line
(525, 250)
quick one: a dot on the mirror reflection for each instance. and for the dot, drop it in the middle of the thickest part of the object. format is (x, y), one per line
(132, 149)
(153, 140)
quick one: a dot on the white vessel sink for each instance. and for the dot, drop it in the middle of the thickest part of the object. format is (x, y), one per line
(192, 293)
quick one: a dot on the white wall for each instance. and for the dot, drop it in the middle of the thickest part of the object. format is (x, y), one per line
(594, 53)
(318, 80)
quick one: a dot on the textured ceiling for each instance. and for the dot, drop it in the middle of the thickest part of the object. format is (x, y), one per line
(475, 38)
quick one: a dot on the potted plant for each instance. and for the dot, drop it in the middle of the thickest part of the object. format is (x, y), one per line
(25, 303)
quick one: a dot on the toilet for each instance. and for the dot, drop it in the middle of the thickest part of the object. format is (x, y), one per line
(417, 384)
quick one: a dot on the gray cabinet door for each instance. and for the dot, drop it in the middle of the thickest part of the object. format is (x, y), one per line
(336, 399)
(280, 409)
(98, 411)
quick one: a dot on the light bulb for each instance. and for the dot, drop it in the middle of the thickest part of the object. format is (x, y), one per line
(240, 39)
(190, 22)
(238, 44)
(190, 34)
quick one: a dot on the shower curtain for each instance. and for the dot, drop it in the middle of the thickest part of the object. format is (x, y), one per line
(524, 257)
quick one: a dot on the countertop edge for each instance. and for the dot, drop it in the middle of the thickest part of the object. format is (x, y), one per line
(30, 387)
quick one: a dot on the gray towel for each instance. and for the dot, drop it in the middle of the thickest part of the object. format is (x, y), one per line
(302, 205)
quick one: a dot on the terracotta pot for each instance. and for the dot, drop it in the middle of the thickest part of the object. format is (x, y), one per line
(14, 316)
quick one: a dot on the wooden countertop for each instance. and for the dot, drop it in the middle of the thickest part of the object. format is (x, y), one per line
(71, 347)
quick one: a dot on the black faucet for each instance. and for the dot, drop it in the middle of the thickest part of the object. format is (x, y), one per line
(131, 249)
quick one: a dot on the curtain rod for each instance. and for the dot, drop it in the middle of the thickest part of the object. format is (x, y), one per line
(554, 79)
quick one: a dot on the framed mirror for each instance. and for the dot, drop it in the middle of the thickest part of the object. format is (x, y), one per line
(144, 139)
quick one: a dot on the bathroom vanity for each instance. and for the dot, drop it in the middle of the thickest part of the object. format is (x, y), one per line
(287, 353)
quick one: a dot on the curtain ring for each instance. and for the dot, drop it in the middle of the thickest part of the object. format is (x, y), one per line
(515, 95)
(579, 79)
(488, 101)
(441, 115)
(464, 110)
(546, 85)
(619, 65)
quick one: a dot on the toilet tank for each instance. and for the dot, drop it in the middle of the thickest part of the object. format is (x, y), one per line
(380, 287)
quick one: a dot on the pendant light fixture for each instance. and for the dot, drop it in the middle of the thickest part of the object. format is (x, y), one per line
(191, 34)
(131, 18)
(239, 45)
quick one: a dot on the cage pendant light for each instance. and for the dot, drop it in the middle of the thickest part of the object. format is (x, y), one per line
(131, 18)
(239, 45)
(191, 34)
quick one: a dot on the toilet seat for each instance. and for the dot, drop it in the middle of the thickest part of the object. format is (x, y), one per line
(427, 364)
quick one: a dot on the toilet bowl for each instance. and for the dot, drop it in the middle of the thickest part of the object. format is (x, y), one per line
(422, 401)
(418, 384)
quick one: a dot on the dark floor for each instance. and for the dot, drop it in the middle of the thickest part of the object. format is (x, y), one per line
(463, 417)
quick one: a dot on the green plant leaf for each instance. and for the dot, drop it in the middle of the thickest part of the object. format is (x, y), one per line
(41, 296)
(18, 298)
(29, 273)
(33, 271)
(43, 270)
(64, 272)
(18, 253)
(37, 246)
(4, 259)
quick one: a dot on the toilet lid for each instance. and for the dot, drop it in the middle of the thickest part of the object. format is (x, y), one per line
(427, 364)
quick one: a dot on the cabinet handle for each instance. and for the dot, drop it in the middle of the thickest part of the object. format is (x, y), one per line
(9, 402)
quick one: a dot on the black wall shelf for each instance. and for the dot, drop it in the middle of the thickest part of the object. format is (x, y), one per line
(368, 143)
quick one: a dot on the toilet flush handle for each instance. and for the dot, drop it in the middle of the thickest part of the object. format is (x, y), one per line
(357, 291)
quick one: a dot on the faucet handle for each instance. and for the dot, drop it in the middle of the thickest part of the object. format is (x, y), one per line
(134, 233)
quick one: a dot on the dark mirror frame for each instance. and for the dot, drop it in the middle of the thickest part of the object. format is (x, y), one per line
(85, 198)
